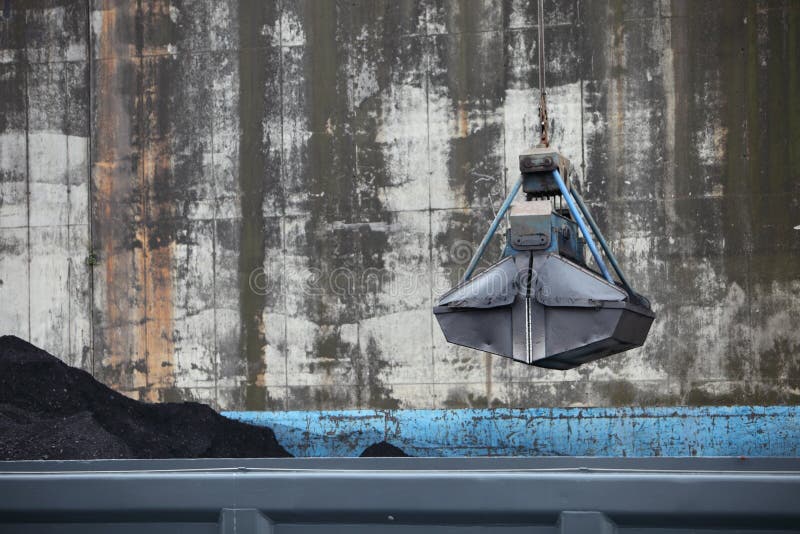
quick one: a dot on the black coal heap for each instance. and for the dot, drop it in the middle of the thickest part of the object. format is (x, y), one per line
(51, 411)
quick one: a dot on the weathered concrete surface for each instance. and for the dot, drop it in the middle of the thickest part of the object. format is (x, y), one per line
(275, 192)
(45, 286)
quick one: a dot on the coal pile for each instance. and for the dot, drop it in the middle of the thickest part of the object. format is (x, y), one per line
(51, 411)
(383, 449)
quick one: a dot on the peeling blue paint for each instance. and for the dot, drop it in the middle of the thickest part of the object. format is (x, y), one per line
(668, 431)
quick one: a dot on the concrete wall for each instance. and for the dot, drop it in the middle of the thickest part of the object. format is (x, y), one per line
(254, 203)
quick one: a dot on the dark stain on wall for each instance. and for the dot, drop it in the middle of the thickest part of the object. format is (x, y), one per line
(258, 173)
(12, 103)
(468, 61)
(340, 226)
(773, 140)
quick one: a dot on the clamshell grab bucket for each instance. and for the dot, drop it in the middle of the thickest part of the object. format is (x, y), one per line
(570, 315)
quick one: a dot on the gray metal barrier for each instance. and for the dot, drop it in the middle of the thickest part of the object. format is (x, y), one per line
(398, 495)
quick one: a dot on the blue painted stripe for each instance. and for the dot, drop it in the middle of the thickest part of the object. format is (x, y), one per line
(665, 431)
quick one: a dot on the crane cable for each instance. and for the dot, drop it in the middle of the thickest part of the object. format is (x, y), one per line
(544, 137)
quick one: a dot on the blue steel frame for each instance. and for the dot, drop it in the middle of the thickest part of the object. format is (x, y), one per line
(585, 231)
(492, 229)
(606, 249)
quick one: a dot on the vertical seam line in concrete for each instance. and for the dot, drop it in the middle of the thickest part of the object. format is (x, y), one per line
(145, 219)
(745, 149)
(28, 187)
(503, 34)
(89, 167)
(283, 214)
(583, 149)
(579, 24)
(69, 218)
(215, 363)
(426, 58)
(359, 394)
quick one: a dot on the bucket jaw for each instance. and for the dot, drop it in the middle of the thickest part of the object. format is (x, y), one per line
(570, 316)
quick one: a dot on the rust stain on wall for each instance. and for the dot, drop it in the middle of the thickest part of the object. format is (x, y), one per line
(116, 180)
(158, 250)
(132, 160)
(160, 196)
(462, 114)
